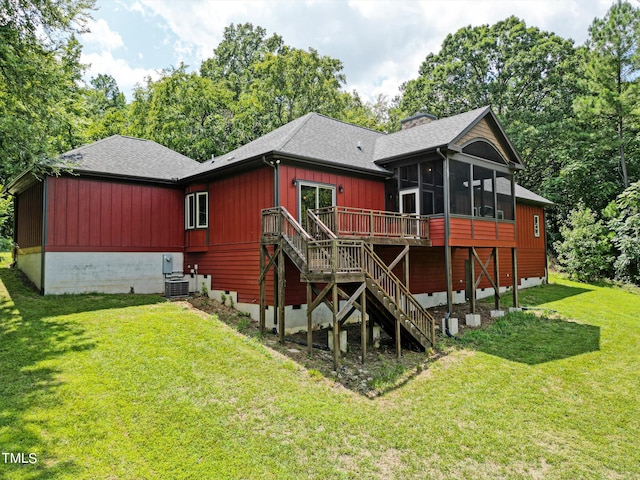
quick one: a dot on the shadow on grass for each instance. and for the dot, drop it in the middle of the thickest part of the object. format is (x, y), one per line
(547, 293)
(33, 332)
(531, 339)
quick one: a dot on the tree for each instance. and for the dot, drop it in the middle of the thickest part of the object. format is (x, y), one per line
(585, 252)
(287, 85)
(611, 77)
(105, 109)
(242, 46)
(185, 112)
(526, 75)
(625, 223)
(39, 70)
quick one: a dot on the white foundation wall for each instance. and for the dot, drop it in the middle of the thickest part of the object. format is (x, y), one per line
(106, 272)
(440, 298)
(31, 265)
(296, 318)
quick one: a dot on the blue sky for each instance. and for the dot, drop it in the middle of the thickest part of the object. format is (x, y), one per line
(380, 43)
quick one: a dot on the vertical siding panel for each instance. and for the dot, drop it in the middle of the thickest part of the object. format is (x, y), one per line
(84, 213)
(29, 225)
(116, 216)
(106, 228)
(145, 215)
(72, 212)
(52, 194)
(95, 217)
(125, 214)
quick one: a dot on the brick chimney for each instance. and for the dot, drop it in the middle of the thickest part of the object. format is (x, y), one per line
(419, 118)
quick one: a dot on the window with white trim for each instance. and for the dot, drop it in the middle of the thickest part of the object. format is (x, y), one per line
(196, 210)
(536, 226)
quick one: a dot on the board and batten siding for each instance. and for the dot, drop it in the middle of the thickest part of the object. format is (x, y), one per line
(532, 260)
(232, 256)
(29, 218)
(110, 236)
(87, 215)
(358, 192)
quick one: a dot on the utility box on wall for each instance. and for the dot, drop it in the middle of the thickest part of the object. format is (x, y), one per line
(167, 264)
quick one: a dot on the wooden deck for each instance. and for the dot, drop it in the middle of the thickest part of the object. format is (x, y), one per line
(342, 253)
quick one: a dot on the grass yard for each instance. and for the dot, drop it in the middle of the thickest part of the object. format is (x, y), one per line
(134, 387)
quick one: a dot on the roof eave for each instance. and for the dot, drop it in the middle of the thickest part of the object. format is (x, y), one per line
(120, 176)
(337, 165)
(20, 183)
(413, 153)
(245, 163)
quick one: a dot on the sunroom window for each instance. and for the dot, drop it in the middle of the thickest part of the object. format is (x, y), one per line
(196, 210)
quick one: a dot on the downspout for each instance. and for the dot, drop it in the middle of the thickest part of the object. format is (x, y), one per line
(447, 249)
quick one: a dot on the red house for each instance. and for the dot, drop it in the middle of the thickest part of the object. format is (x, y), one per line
(314, 211)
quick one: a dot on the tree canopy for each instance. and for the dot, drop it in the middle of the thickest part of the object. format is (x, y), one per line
(39, 77)
(571, 111)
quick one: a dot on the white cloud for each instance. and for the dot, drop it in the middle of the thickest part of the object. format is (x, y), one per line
(125, 75)
(381, 43)
(101, 36)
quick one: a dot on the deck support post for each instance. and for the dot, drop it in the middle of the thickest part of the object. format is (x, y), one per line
(398, 338)
(397, 316)
(496, 273)
(472, 275)
(406, 269)
(363, 316)
(262, 288)
(514, 275)
(449, 279)
(309, 321)
(282, 282)
(336, 325)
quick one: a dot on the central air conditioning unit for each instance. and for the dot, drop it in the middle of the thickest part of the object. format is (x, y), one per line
(176, 288)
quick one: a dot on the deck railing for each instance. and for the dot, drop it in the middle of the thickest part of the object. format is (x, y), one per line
(360, 222)
(335, 256)
(398, 291)
(330, 255)
(278, 221)
(317, 229)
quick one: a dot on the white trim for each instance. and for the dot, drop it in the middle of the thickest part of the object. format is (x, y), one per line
(192, 210)
(411, 191)
(536, 226)
(317, 185)
(206, 209)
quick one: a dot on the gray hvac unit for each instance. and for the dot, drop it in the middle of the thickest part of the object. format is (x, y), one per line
(176, 288)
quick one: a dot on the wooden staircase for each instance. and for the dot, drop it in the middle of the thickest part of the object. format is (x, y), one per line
(322, 257)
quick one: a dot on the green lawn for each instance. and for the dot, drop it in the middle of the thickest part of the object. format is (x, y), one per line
(134, 387)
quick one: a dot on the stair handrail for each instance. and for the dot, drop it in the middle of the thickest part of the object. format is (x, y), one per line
(318, 227)
(277, 221)
(400, 294)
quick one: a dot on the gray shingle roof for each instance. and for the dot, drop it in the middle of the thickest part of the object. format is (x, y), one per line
(427, 136)
(503, 187)
(131, 157)
(312, 136)
(527, 195)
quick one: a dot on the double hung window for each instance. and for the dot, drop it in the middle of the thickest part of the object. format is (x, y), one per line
(196, 210)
